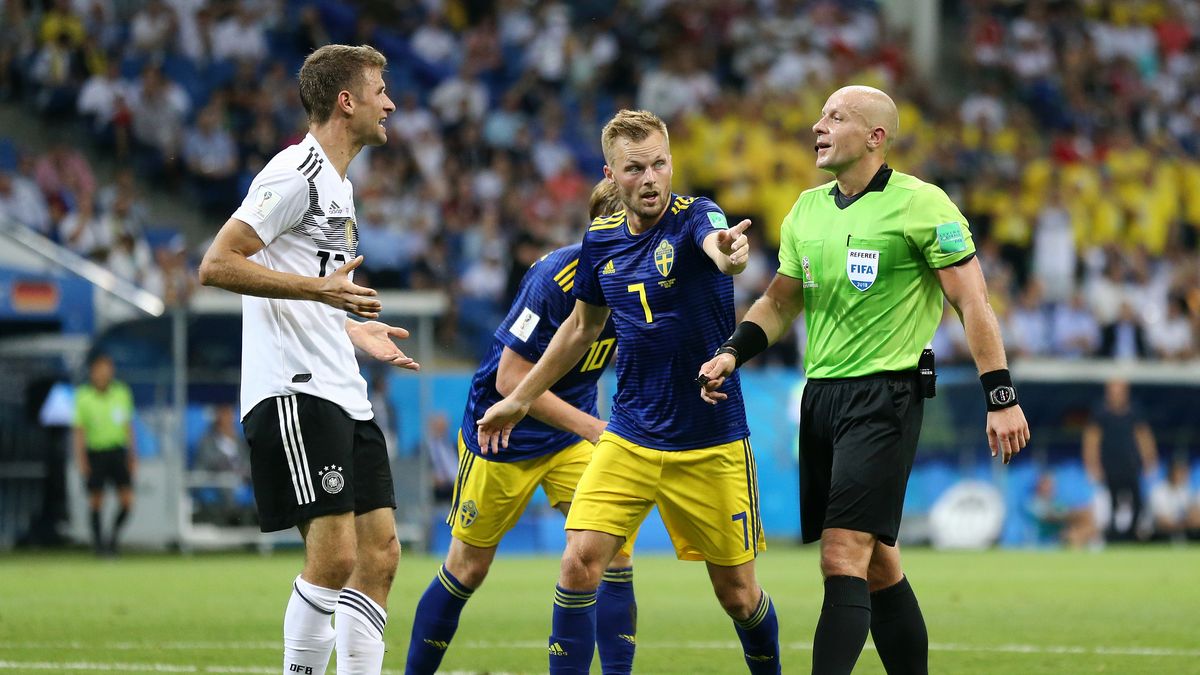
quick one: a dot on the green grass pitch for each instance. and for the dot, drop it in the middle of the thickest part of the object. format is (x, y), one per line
(1124, 610)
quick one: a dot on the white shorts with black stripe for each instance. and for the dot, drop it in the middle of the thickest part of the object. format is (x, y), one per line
(308, 458)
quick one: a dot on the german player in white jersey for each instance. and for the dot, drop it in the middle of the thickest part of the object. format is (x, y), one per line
(318, 460)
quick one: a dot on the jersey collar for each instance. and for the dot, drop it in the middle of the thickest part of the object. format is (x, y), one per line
(877, 184)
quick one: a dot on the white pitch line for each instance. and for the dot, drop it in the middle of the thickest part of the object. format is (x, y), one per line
(647, 645)
(94, 666)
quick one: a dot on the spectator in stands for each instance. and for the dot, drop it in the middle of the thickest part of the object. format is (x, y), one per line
(105, 446)
(210, 155)
(460, 98)
(1028, 324)
(222, 453)
(64, 172)
(153, 30)
(239, 37)
(1118, 448)
(55, 70)
(80, 230)
(1175, 505)
(159, 107)
(1171, 338)
(437, 445)
(1074, 331)
(1056, 521)
(21, 201)
(171, 277)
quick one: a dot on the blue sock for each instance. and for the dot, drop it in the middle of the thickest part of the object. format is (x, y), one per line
(616, 621)
(573, 632)
(760, 638)
(434, 623)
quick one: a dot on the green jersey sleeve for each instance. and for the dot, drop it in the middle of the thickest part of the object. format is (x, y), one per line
(937, 229)
(789, 244)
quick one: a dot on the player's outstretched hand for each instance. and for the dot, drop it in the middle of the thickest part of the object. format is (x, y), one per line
(498, 422)
(337, 290)
(375, 338)
(1007, 432)
(712, 376)
(734, 244)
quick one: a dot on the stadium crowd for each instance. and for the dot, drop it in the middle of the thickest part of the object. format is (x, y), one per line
(1069, 133)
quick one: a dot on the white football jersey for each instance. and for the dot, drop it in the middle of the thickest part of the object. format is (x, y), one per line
(304, 214)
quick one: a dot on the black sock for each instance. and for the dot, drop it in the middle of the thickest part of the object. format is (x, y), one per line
(842, 629)
(96, 541)
(898, 629)
(122, 515)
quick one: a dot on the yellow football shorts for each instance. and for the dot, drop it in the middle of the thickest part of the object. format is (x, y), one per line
(489, 497)
(708, 497)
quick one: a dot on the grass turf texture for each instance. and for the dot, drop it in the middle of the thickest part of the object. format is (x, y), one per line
(1125, 610)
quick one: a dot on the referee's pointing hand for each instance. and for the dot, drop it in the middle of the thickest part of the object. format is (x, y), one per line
(337, 290)
(734, 244)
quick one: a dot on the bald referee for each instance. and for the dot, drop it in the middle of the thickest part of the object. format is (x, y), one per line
(868, 256)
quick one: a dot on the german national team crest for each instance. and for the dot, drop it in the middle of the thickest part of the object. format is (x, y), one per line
(332, 480)
(664, 257)
(468, 513)
(862, 267)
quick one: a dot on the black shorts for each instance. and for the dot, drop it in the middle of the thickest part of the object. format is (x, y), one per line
(108, 466)
(858, 437)
(308, 458)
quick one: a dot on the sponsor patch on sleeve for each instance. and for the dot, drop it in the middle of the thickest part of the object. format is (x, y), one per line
(265, 201)
(524, 325)
(950, 238)
(718, 220)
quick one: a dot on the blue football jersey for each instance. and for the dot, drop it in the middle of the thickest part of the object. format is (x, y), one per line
(672, 308)
(543, 302)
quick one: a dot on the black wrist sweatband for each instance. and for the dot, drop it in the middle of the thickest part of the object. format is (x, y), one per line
(998, 391)
(748, 340)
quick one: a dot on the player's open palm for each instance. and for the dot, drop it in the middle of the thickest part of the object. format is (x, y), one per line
(498, 422)
(734, 243)
(375, 338)
(1007, 432)
(337, 290)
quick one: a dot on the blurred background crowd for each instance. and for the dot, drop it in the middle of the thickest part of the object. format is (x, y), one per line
(1067, 132)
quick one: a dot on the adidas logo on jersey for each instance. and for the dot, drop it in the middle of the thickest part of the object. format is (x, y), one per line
(609, 268)
(557, 650)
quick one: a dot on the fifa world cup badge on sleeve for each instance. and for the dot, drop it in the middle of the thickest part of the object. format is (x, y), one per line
(950, 238)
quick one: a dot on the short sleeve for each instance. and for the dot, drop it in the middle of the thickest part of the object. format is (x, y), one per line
(704, 218)
(937, 229)
(536, 312)
(587, 283)
(789, 244)
(275, 202)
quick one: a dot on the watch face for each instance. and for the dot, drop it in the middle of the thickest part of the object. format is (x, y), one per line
(1002, 395)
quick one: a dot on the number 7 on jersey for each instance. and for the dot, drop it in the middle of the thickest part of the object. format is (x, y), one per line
(640, 289)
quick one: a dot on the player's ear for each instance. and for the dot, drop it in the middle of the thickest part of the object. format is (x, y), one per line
(345, 102)
(608, 173)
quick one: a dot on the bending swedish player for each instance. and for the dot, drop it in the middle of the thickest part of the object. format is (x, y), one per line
(318, 460)
(550, 450)
(868, 258)
(660, 269)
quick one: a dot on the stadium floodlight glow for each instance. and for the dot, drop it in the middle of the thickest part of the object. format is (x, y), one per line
(73, 262)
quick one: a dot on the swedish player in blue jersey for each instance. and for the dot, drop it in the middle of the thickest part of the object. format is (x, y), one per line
(661, 268)
(551, 449)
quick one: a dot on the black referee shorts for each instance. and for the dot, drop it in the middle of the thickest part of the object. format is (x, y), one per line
(108, 467)
(308, 458)
(858, 437)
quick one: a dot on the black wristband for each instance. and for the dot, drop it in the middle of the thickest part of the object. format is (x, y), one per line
(748, 340)
(998, 391)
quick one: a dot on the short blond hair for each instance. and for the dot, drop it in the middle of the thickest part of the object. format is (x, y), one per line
(330, 70)
(635, 125)
(604, 200)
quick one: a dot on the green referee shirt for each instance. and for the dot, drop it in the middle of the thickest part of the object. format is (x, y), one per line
(104, 416)
(871, 298)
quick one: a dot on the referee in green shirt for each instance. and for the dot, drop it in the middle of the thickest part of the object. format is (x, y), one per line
(104, 445)
(868, 258)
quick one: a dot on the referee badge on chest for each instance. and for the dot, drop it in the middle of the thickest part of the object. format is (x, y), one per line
(862, 267)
